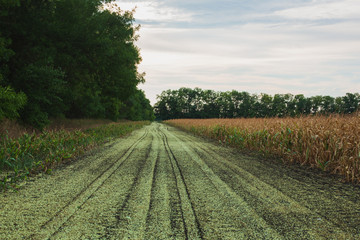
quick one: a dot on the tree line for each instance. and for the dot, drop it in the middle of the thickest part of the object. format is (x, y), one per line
(198, 103)
(69, 58)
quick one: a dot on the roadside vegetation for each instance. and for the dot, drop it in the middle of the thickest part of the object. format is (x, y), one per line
(32, 153)
(330, 143)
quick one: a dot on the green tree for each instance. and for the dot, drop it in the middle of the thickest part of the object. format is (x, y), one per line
(211, 108)
(247, 105)
(316, 104)
(138, 108)
(226, 104)
(5, 52)
(70, 57)
(10, 103)
(44, 87)
(328, 105)
(265, 105)
(198, 103)
(351, 102)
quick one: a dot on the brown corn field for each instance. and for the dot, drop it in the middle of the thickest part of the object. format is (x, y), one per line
(331, 143)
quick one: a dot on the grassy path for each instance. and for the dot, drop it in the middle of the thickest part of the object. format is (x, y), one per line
(161, 183)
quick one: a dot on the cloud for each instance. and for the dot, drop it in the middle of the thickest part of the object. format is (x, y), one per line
(323, 10)
(252, 43)
(254, 57)
(154, 11)
(276, 46)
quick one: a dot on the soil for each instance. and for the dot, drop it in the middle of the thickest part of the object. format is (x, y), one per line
(162, 183)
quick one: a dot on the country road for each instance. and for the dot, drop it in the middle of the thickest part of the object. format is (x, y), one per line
(162, 183)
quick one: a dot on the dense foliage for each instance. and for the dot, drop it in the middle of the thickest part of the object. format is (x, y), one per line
(71, 58)
(198, 103)
(10, 103)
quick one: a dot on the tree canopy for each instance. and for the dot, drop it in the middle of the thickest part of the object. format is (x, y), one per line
(71, 58)
(198, 103)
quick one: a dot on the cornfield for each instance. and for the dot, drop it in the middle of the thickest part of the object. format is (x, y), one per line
(34, 153)
(331, 143)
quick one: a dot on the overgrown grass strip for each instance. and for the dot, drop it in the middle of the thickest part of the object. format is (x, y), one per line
(330, 143)
(34, 153)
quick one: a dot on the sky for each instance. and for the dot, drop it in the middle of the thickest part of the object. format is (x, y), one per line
(309, 47)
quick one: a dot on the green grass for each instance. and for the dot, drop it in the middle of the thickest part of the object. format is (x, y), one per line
(35, 153)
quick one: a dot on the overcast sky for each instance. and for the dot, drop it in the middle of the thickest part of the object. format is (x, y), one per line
(259, 46)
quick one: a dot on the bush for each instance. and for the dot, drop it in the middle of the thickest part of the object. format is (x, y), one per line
(11, 102)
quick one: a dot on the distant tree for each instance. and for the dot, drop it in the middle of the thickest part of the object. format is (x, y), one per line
(226, 105)
(138, 108)
(265, 106)
(211, 108)
(328, 105)
(161, 108)
(246, 107)
(350, 102)
(169, 106)
(290, 109)
(198, 103)
(300, 104)
(316, 104)
(339, 105)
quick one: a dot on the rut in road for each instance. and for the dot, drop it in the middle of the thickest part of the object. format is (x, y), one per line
(55, 223)
(161, 183)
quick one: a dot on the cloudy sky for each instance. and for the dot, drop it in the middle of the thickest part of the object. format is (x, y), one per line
(259, 46)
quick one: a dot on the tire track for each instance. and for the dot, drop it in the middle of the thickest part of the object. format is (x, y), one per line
(192, 229)
(132, 212)
(223, 214)
(164, 219)
(320, 195)
(279, 210)
(54, 224)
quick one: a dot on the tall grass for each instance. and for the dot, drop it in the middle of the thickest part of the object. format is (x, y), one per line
(34, 153)
(330, 143)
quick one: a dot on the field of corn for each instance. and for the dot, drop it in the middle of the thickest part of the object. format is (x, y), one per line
(330, 143)
(34, 153)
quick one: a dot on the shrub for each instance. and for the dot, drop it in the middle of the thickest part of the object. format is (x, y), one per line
(10, 103)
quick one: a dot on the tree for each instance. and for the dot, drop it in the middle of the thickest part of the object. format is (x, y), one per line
(138, 108)
(44, 87)
(71, 58)
(328, 105)
(5, 52)
(316, 104)
(211, 108)
(198, 103)
(264, 105)
(10, 103)
(351, 102)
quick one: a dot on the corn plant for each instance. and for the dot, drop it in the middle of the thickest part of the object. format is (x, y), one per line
(31, 153)
(331, 143)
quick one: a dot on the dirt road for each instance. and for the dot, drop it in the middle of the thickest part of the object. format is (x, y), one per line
(161, 183)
